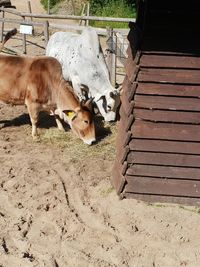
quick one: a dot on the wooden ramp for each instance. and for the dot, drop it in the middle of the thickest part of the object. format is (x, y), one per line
(158, 142)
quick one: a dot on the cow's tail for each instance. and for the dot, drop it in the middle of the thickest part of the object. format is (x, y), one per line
(8, 35)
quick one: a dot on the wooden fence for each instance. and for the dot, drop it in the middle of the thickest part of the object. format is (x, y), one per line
(115, 39)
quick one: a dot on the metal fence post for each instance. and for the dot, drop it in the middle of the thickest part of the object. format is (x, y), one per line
(30, 11)
(2, 26)
(112, 56)
(24, 41)
(46, 32)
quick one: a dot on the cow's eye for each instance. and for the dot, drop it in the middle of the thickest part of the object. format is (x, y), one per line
(87, 122)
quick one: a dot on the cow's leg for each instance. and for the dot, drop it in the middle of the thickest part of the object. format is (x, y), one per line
(59, 123)
(33, 110)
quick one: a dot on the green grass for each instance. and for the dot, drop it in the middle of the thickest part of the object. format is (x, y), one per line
(113, 8)
(52, 3)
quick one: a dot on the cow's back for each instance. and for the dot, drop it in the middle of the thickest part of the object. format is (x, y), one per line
(44, 78)
(80, 55)
(13, 78)
(28, 77)
(62, 46)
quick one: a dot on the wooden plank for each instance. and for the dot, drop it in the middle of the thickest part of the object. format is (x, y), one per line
(164, 172)
(171, 45)
(165, 159)
(167, 116)
(156, 186)
(131, 65)
(163, 199)
(183, 76)
(165, 102)
(164, 32)
(128, 90)
(168, 89)
(165, 146)
(122, 153)
(126, 119)
(166, 131)
(117, 178)
(166, 52)
(170, 61)
(126, 106)
(126, 112)
(123, 136)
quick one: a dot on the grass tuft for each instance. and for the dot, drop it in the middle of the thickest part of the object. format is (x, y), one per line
(104, 147)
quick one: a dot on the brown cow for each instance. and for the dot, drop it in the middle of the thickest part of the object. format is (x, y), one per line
(38, 83)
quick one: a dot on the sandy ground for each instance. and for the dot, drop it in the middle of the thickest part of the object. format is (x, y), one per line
(58, 208)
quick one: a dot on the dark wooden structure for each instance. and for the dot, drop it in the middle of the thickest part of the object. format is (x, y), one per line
(6, 3)
(158, 142)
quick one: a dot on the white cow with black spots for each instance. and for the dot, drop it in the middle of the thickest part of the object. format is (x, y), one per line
(83, 64)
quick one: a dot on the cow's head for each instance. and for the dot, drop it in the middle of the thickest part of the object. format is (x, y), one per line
(82, 123)
(108, 104)
(112, 100)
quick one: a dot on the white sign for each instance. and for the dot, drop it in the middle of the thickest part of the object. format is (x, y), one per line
(26, 29)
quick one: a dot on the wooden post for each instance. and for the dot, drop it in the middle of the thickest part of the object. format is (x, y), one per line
(48, 7)
(73, 6)
(2, 26)
(24, 41)
(46, 32)
(82, 13)
(111, 56)
(88, 13)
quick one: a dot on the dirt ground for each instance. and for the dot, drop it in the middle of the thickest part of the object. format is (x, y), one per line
(58, 207)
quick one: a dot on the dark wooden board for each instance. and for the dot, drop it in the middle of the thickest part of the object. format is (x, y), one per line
(168, 89)
(164, 159)
(118, 179)
(123, 136)
(165, 131)
(170, 61)
(175, 45)
(165, 146)
(126, 106)
(163, 199)
(165, 33)
(122, 153)
(165, 102)
(126, 119)
(128, 93)
(164, 172)
(156, 186)
(167, 116)
(170, 53)
(131, 69)
(183, 76)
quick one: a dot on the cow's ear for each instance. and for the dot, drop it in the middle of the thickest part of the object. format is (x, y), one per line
(69, 113)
